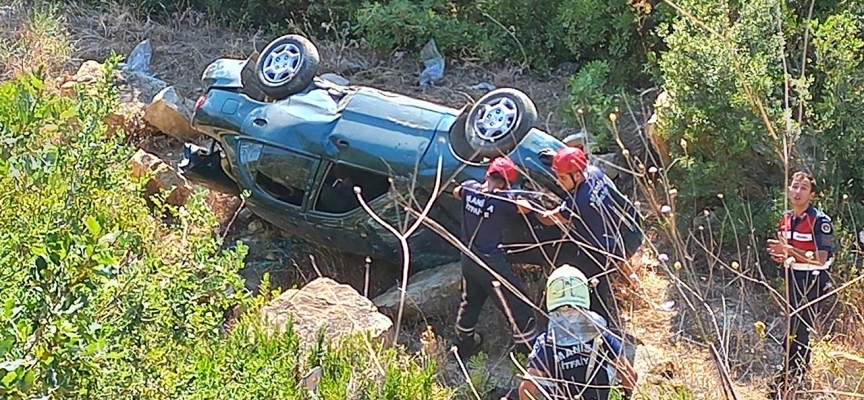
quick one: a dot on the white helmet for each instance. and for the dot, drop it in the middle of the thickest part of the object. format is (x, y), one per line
(567, 286)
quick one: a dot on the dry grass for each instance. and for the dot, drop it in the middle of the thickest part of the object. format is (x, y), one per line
(31, 40)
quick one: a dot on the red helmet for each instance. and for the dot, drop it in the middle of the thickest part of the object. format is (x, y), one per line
(569, 160)
(504, 167)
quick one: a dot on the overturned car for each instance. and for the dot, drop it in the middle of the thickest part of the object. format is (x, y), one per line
(299, 143)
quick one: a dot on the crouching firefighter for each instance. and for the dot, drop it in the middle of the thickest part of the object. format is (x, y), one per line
(571, 359)
(486, 209)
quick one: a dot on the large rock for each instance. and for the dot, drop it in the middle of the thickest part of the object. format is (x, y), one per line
(430, 292)
(324, 303)
(171, 113)
(164, 177)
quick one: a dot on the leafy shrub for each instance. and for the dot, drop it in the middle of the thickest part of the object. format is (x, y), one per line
(519, 33)
(409, 25)
(101, 298)
(510, 30)
(591, 99)
(86, 284)
(597, 29)
(728, 104)
(256, 13)
(712, 125)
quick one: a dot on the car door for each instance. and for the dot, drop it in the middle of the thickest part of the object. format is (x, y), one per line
(338, 216)
(279, 180)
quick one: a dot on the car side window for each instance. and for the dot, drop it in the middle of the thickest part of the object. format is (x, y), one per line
(284, 175)
(337, 190)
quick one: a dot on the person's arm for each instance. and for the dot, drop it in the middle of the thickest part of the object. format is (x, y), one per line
(623, 368)
(560, 215)
(528, 389)
(823, 236)
(775, 256)
(536, 368)
(523, 206)
(552, 217)
(626, 372)
(470, 184)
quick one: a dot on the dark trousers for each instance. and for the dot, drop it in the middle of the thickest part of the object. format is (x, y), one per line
(477, 286)
(803, 288)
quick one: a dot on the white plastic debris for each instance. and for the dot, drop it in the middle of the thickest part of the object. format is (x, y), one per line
(139, 58)
(484, 86)
(668, 306)
(433, 62)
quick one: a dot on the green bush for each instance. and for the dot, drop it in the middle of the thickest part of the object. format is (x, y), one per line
(491, 30)
(712, 125)
(519, 33)
(101, 298)
(409, 25)
(729, 106)
(597, 29)
(512, 31)
(250, 13)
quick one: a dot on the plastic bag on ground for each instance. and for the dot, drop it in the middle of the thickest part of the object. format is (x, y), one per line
(433, 62)
(139, 58)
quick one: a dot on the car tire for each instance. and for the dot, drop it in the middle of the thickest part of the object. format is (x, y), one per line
(291, 75)
(498, 121)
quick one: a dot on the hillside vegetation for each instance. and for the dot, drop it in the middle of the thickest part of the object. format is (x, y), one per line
(107, 293)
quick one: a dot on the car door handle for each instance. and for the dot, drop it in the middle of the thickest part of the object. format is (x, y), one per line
(340, 142)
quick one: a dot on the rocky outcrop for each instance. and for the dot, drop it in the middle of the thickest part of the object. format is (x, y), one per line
(146, 103)
(325, 304)
(136, 90)
(171, 114)
(429, 292)
(164, 177)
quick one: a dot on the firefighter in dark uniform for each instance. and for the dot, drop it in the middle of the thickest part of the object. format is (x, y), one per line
(570, 359)
(486, 208)
(804, 247)
(590, 211)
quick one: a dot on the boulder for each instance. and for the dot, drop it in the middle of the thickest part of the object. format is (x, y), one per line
(324, 303)
(164, 177)
(171, 114)
(581, 139)
(430, 292)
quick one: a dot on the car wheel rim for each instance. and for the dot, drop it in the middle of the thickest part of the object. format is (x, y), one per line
(281, 63)
(496, 119)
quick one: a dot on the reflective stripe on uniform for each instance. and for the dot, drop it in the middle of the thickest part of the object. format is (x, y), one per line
(526, 337)
(795, 266)
(462, 330)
